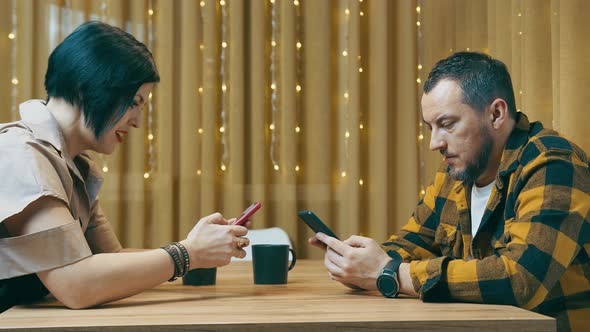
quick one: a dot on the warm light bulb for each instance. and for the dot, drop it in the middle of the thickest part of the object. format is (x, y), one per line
(418, 80)
(224, 44)
(272, 126)
(344, 53)
(146, 175)
(105, 169)
(418, 23)
(343, 174)
(361, 126)
(276, 167)
(273, 43)
(11, 35)
(520, 92)
(151, 12)
(200, 89)
(15, 81)
(298, 45)
(420, 137)
(419, 67)
(202, 47)
(150, 137)
(362, 14)
(360, 69)
(347, 134)
(273, 86)
(297, 168)
(221, 129)
(298, 88)
(520, 32)
(150, 96)
(519, 14)
(200, 131)
(223, 87)
(202, 3)
(297, 129)
(296, 2)
(422, 192)
(272, 1)
(199, 172)
(361, 182)
(468, 49)
(222, 3)
(223, 168)
(347, 12)
(346, 95)
(418, 9)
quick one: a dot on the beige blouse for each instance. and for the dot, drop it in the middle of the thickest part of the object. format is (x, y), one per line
(33, 164)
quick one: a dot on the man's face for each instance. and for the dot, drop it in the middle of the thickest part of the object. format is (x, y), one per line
(458, 131)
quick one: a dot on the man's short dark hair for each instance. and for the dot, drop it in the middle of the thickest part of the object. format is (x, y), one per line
(481, 78)
(99, 68)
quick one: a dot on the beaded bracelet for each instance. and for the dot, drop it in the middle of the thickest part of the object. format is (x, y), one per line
(180, 257)
(185, 257)
(172, 250)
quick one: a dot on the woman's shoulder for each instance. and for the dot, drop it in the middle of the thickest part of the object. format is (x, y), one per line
(29, 168)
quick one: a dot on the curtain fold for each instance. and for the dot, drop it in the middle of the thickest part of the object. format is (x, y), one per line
(298, 104)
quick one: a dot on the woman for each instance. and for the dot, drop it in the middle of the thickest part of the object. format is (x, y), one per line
(53, 235)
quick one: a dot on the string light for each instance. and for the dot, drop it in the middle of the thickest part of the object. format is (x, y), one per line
(151, 159)
(298, 75)
(420, 127)
(274, 96)
(223, 72)
(13, 60)
(361, 182)
(346, 88)
(103, 17)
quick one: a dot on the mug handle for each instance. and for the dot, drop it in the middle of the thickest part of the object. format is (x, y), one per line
(293, 260)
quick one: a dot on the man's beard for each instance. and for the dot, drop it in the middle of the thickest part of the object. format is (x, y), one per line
(475, 169)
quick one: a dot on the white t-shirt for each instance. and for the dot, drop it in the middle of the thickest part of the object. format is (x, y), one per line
(479, 200)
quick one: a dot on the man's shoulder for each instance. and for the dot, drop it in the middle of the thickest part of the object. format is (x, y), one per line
(544, 141)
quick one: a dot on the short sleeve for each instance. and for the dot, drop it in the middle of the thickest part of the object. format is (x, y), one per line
(29, 170)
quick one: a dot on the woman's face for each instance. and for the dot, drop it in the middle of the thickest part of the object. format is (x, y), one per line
(107, 142)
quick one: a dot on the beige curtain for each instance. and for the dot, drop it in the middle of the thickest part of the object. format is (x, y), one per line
(299, 104)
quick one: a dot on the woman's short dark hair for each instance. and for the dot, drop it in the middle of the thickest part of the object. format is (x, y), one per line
(481, 78)
(99, 68)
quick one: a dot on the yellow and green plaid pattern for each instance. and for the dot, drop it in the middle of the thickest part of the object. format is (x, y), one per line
(532, 248)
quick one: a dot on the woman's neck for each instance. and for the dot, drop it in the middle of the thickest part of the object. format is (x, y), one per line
(71, 124)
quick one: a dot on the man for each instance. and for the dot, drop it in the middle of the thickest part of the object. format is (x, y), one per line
(507, 218)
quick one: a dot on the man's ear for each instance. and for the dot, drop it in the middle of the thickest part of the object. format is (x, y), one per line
(498, 113)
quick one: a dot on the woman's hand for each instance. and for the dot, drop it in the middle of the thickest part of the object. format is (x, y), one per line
(214, 241)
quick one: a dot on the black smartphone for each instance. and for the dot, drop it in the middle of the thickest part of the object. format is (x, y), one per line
(315, 223)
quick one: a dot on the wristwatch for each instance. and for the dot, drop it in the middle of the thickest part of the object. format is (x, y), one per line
(387, 282)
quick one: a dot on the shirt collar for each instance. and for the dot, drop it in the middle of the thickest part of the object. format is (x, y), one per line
(35, 115)
(516, 141)
(44, 127)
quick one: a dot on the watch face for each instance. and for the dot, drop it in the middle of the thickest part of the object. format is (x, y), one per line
(387, 285)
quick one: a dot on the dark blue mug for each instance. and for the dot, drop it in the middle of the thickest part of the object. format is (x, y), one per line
(271, 263)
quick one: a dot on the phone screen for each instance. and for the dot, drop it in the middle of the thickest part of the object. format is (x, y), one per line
(315, 223)
(247, 213)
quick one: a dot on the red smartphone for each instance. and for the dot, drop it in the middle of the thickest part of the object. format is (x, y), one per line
(247, 213)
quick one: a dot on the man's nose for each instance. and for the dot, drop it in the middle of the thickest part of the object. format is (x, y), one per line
(436, 142)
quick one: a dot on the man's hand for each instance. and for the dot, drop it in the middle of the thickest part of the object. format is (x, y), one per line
(355, 262)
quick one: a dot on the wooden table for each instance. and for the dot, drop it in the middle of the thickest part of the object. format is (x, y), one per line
(310, 301)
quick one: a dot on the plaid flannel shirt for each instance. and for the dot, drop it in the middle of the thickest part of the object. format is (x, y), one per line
(532, 247)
